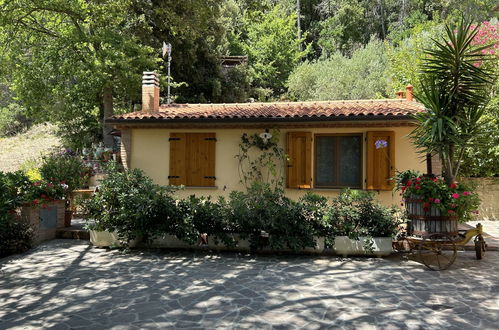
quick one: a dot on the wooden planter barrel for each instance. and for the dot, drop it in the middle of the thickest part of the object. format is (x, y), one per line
(424, 223)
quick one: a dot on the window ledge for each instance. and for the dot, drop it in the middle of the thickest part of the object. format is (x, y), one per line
(333, 189)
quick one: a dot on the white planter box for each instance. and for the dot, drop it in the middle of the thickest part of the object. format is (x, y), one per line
(106, 239)
(345, 246)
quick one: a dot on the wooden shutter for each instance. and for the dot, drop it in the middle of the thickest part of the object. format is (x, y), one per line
(201, 159)
(178, 144)
(299, 167)
(381, 161)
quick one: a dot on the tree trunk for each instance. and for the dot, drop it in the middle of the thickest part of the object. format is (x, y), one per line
(107, 101)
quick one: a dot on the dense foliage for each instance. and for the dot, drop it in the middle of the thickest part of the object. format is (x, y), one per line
(129, 204)
(15, 235)
(66, 168)
(76, 62)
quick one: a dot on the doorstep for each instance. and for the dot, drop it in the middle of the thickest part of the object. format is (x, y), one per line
(76, 231)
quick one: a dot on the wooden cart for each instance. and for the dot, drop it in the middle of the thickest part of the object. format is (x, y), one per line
(438, 251)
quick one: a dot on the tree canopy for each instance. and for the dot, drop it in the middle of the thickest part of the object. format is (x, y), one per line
(76, 62)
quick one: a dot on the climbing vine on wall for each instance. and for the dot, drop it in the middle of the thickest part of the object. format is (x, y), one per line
(261, 159)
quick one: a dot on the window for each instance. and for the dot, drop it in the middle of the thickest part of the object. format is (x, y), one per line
(338, 160)
(192, 159)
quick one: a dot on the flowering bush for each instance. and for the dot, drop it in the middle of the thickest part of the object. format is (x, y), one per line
(66, 167)
(42, 192)
(456, 199)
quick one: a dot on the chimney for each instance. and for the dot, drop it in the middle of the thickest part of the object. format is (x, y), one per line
(408, 93)
(400, 94)
(150, 92)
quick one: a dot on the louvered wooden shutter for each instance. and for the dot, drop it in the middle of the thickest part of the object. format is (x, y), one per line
(299, 167)
(178, 144)
(201, 159)
(381, 161)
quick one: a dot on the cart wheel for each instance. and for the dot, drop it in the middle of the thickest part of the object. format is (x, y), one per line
(437, 251)
(479, 247)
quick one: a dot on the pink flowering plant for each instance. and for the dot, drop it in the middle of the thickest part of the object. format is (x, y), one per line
(41, 192)
(455, 199)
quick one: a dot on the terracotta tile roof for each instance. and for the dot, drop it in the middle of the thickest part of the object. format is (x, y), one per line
(323, 110)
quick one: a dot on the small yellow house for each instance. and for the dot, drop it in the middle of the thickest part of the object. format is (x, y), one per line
(330, 145)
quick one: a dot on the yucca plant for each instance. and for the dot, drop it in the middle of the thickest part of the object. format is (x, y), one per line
(455, 90)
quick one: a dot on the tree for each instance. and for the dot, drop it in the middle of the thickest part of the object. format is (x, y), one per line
(75, 59)
(272, 46)
(339, 77)
(455, 89)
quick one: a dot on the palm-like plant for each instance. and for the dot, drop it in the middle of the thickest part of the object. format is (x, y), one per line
(455, 90)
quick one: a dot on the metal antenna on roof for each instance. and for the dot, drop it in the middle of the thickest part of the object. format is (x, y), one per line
(167, 48)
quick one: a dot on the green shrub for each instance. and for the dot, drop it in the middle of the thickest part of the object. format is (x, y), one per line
(65, 167)
(15, 236)
(13, 187)
(355, 213)
(208, 217)
(129, 203)
(263, 210)
(13, 120)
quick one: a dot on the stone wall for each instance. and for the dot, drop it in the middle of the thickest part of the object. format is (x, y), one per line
(488, 190)
(35, 217)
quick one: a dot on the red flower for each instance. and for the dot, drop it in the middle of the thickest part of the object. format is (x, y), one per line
(44, 206)
(455, 195)
(43, 196)
(426, 205)
(50, 185)
(409, 183)
(403, 188)
(418, 179)
(450, 212)
(430, 199)
(435, 179)
(417, 187)
(37, 183)
(453, 186)
(36, 201)
(466, 193)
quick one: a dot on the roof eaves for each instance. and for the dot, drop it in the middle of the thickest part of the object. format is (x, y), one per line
(360, 117)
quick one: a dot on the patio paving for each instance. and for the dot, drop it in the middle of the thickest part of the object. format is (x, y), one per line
(68, 284)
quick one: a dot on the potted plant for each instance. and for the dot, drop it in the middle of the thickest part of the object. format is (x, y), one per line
(67, 168)
(433, 206)
(360, 225)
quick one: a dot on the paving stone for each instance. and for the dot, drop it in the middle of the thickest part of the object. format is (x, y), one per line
(65, 284)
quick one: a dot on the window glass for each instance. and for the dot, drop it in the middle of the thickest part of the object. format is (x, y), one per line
(350, 161)
(338, 161)
(325, 160)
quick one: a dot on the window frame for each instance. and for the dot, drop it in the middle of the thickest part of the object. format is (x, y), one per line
(336, 167)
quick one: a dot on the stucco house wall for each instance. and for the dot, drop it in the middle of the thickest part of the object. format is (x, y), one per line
(150, 151)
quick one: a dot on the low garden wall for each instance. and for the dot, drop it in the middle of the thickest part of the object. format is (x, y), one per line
(44, 220)
(488, 190)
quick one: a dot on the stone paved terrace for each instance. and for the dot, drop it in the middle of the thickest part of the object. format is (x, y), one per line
(67, 284)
